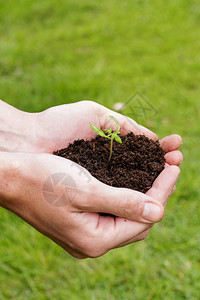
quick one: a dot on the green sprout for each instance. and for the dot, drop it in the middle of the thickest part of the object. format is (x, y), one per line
(110, 135)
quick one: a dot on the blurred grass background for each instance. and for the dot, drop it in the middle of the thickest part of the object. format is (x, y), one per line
(54, 52)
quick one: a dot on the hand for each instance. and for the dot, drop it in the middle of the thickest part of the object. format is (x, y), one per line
(19, 131)
(61, 125)
(81, 113)
(58, 126)
(46, 134)
(68, 212)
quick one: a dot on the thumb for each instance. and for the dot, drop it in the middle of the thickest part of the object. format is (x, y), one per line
(122, 202)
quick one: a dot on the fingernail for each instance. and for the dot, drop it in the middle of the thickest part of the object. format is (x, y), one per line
(152, 212)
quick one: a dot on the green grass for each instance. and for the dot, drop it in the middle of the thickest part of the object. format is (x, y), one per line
(54, 52)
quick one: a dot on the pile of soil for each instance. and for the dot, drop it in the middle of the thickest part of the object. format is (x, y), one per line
(134, 164)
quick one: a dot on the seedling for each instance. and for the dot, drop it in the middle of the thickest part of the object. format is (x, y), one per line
(109, 134)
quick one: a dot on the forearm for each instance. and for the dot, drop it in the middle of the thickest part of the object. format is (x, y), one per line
(18, 129)
(14, 177)
(8, 178)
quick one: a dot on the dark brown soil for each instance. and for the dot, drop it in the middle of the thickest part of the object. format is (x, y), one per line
(134, 164)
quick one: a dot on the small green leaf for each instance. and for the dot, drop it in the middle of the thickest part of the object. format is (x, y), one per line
(97, 130)
(108, 130)
(113, 118)
(109, 134)
(117, 138)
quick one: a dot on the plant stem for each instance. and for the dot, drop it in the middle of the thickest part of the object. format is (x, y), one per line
(111, 145)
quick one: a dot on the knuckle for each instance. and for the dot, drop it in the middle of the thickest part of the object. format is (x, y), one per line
(130, 207)
(126, 205)
(87, 199)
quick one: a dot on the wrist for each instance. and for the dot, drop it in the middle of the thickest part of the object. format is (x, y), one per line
(19, 130)
(13, 178)
(9, 170)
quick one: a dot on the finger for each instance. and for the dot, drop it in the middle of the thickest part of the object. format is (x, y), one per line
(114, 232)
(163, 187)
(174, 157)
(145, 229)
(143, 235)
(174, 189)
(137, 238)
(124, 231)
(172, 192)
(134, 205)
(164, 184)
(120, 202)
(131, 125)
(171, 142)
(127, 124)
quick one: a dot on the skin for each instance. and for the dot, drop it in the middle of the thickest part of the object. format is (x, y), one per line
(77, 225)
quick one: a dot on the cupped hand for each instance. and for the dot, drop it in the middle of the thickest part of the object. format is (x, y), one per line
(64, 202)
(60, 125)
(79, 116)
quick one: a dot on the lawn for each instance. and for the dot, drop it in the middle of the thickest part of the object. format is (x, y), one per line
(54, 52)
